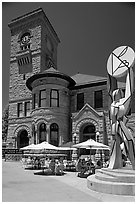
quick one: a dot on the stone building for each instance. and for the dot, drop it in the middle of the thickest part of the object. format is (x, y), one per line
(45, 104)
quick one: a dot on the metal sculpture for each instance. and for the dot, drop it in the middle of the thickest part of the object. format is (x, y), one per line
(120, 63)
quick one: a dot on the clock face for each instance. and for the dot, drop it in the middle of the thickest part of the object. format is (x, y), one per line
(25, 38)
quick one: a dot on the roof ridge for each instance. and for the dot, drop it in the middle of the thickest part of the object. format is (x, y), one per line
(88, 75)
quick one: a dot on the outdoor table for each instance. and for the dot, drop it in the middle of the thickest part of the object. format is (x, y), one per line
(43, 168)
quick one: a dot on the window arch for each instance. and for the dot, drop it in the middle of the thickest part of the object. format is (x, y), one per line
(54, 134)
(42, 132)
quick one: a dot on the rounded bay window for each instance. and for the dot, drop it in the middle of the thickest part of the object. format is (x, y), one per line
(54, 134)
(42, 132)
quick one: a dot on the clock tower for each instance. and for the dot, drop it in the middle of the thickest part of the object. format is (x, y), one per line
(34, 45)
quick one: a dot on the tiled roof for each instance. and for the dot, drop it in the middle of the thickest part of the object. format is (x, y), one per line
(81, 79)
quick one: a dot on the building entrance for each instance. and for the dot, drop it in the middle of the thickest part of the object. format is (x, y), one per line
(87, 131)
(22, 139)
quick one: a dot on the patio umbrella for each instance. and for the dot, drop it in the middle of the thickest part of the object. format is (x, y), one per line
(91, 144)
(29, 147)
(68, 147)
(45, 145)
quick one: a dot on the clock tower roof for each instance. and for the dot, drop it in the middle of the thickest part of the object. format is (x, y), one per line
(33, 15)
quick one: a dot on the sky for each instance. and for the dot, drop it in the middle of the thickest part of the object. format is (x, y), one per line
(88, 31)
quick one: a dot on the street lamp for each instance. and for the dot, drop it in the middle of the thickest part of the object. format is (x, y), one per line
(97, 136)
(74, 135)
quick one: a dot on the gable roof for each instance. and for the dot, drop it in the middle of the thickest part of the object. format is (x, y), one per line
(87, 107)
(82, 79)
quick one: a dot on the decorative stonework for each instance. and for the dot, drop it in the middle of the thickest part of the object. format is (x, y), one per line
(83, 121)
(22, 127)
(40, 120)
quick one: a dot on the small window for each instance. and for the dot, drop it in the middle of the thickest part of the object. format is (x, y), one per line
(42, 98)
(34, 101)
(98, 99)
(80, 100)
(27, 108)
(20, 110)
(24, 60)
(54, 98)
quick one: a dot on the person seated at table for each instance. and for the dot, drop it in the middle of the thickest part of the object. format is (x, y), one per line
(98, 165)
(83, 166)
(36, 163)
(52, 165)
(91, 166)
(32, 162)
(61, 166)
(57, 167)
(46, 163)
(29, 160)
(39, 163)
(78, 165)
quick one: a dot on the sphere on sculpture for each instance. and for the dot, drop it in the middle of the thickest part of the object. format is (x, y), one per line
(120, 60)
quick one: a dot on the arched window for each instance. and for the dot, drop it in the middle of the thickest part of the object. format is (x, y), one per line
(54, 136)
(42, 132)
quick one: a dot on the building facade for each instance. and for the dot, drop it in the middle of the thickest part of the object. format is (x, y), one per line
(45, 104)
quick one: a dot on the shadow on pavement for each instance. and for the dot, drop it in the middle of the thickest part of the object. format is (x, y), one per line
(41, 173)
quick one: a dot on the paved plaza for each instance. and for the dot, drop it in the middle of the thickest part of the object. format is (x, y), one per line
(19, 185)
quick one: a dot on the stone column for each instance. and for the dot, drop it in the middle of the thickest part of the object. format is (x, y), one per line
(36, 136)
(60, 140)
(48, 133)
(15, 142)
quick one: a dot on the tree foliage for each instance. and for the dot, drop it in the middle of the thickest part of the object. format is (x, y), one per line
(5, 117)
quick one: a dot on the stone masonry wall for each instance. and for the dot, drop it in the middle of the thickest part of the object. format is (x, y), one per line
(88, 96)
(59, 115)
